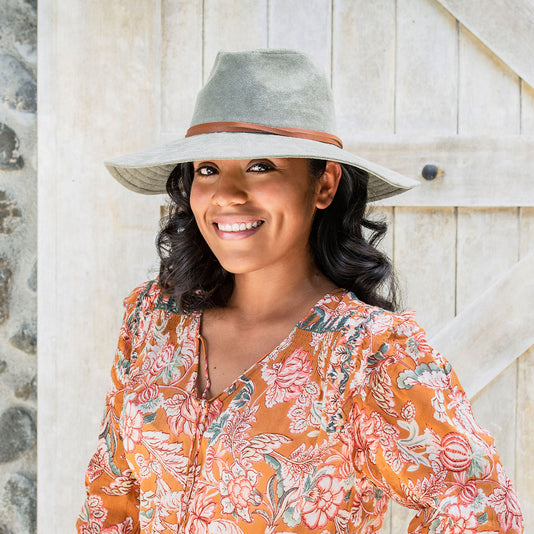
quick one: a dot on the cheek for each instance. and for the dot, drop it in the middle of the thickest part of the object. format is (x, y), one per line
(196, 201)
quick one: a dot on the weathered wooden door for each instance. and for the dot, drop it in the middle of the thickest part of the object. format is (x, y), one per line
(443, 82)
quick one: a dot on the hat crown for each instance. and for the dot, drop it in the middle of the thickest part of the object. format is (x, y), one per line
(280, 88)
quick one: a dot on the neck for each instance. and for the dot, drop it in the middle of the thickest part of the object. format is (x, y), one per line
(260, 295)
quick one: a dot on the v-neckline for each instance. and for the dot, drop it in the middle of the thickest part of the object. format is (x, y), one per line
(195, 332)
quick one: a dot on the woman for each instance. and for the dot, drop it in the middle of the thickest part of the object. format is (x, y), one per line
(261, 384)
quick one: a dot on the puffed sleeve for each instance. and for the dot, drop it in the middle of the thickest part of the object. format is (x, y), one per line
(416, 439)
(112, 503)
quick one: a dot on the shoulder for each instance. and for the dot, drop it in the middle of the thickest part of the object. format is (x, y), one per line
(146, 299)
(375, 322)
(149, 296)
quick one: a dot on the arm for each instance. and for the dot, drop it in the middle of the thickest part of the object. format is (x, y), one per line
(417, 440)
(112, 503)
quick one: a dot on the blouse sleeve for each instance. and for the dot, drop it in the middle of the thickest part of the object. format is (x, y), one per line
(112, 503)
(416, 439)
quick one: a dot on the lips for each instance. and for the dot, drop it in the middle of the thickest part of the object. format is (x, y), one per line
(238, 226)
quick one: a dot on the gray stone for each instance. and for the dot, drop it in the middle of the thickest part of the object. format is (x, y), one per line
(26, 338)
(3, 367)
(17, 85)
(4, 530)
(18, 27)
(32, 279)
(32, 4)
(28, 390)
(9, 214)
(10, 160)
(20, 501)
(5, 290)
(18, 433)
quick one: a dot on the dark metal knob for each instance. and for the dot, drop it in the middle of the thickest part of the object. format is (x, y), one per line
(430, 172)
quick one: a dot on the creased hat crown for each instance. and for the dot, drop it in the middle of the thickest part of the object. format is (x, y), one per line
(269, 87)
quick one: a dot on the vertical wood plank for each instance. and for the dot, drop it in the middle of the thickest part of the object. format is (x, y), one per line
(488, 93)
(524, 482)
(303, 25)
(363, 70)
(526, 227)
(494, 409)
(386, 525)
(233, 25)
(386, 214)
(424, 251)
(103, 234)
(488, 245)
(527, 109)
(426, 96)
(181, 63)
(400, 518)
(524, 446)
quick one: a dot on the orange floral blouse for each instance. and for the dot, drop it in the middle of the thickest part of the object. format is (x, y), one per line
(351, 410)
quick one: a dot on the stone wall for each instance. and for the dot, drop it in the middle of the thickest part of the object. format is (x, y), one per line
(18, 277)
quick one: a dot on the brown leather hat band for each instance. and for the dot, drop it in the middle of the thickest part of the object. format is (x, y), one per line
(249, 127)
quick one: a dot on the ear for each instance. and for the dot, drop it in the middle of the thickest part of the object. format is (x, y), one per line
(327, 185)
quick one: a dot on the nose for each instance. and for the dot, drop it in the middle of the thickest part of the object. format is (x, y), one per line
(230, 189)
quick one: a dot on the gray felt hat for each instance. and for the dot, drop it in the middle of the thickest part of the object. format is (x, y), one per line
(259, 103)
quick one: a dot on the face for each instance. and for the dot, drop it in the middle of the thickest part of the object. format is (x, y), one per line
(256, 214)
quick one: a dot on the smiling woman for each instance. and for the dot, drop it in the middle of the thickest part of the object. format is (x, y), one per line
(263, 382)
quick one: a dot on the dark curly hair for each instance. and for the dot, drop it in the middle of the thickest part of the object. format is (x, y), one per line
(343, 242)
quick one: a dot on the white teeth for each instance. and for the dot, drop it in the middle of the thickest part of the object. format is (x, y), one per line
(238, 227)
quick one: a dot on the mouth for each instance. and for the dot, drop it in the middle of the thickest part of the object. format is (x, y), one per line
(237, 230)
(238, 227)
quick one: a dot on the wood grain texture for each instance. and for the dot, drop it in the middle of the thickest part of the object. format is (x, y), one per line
(400, 518)
(304, 25)
(96, 239)
(386, 525)
(363, 70)
(387, 215)
(494, 330)
(485, 84)
(478, 171)
(524, 450)
(487, 246)
(233, 25)
(504, 28)
(526, 229)
(181, 63)
(527, 109)
(426, 271)
(495, 410)
(426, 70)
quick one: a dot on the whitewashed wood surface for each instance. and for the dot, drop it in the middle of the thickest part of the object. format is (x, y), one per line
(493, 22)
(413, 84)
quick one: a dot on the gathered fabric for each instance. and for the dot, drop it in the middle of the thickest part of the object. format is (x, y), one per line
(350, 410)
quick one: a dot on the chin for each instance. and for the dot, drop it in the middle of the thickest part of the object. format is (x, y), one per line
(235, 266)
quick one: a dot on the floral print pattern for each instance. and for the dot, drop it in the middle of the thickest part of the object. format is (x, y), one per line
(351, 410)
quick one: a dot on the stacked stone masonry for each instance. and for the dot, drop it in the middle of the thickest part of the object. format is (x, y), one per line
(18, 276)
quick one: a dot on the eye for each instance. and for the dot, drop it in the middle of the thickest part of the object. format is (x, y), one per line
(205, 170)
(261, 166)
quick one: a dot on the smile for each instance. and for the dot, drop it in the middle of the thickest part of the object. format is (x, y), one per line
(238, 227)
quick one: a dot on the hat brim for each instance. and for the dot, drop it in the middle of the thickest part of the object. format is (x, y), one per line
(147, 171)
